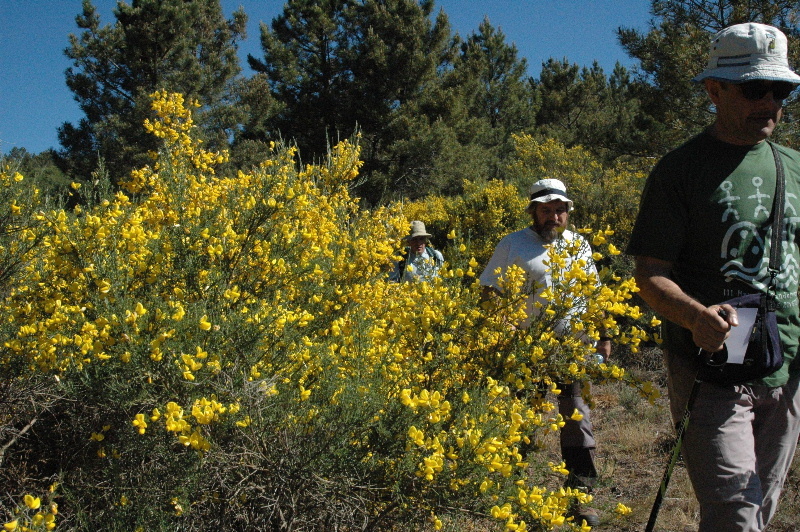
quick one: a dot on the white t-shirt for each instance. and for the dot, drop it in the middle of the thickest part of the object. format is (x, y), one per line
(526, 249)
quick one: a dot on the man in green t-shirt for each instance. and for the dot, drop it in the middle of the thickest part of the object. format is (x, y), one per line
(700, 239)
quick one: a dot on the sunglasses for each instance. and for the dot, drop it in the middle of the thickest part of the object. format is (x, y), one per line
(756, 90)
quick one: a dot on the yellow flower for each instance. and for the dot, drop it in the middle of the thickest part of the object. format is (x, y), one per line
(11, 525)
(140, 423)
(179, 312)
(558, 468)
(204, 323)
(104, 286)
(32, 502)
(621, 509)
(576, 416)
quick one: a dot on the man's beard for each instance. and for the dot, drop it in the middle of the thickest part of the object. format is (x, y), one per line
(549, 233)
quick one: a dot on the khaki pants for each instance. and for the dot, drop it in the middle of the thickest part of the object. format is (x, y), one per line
(738, 446)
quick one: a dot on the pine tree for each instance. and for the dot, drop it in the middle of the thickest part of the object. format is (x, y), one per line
(184, 46)
(583, 106)
(498, 88)
(337, 66)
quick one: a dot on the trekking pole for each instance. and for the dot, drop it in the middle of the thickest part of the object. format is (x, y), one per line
(673, 459)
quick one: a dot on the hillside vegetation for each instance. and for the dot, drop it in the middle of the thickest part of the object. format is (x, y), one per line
(197, 330)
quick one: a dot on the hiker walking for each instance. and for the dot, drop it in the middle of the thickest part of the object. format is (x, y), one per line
(702, 236)
(420, 262)
(549, 207)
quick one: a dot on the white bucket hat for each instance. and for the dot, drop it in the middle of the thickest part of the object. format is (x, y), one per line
(417, 229)
(749, 51)
(547, 190)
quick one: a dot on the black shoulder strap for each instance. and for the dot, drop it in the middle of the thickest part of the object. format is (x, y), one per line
(777, 214)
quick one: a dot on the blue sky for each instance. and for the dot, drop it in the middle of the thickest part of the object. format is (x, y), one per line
(34, 99)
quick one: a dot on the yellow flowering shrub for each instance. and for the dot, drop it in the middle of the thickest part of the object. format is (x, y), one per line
(481, 216)
(227, 352)
(20, 221)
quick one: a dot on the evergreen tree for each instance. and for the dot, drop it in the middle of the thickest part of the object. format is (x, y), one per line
(581, 106)
(569, 95)
(336, 66)
(437, 145)
(460, 127)
(184, 46)
(498, 89)
(501, 93)
(304, 71)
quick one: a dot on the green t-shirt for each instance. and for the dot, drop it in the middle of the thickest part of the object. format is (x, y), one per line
(705, 208)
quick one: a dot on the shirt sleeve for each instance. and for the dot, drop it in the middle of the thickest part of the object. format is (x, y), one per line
(660, 227)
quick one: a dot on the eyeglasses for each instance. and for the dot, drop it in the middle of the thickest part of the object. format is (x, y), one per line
(756, 90)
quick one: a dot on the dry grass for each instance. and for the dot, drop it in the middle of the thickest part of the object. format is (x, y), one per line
(634, 441)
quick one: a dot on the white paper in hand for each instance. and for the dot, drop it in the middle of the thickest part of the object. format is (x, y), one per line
(740, 335)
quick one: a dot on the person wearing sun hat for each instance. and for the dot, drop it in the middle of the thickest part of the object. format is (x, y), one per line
(549, 207)
(701, 237)
(420, 261)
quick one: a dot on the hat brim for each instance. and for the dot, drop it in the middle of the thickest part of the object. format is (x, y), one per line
(548, 198)
(426, 235)
(740, 75)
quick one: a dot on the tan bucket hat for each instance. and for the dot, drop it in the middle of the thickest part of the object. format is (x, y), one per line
(417, 229)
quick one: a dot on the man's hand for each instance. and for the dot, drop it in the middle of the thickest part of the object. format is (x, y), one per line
(712, 326)
(708, 326)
